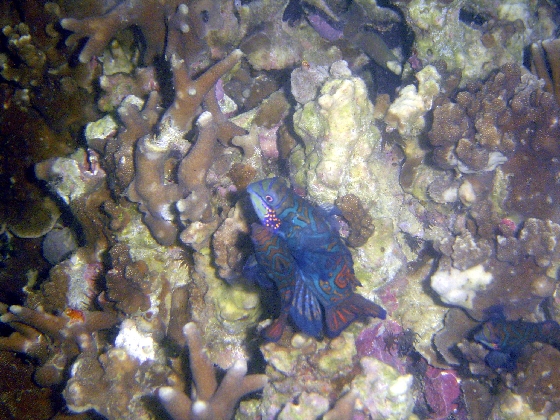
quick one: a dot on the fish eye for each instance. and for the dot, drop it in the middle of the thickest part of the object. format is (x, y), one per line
(268, 198)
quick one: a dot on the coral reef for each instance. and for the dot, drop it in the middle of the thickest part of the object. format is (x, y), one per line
(476, 38)
(131, 131)
(481, 129)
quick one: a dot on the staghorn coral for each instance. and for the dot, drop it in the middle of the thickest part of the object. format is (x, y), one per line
(209, 400)
(138, 119)
(149, 16)
(150, 187)
(54, 341)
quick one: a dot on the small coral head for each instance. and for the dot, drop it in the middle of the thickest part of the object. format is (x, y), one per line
(267, 197)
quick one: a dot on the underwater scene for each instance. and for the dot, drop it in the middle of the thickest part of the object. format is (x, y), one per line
(279, 209)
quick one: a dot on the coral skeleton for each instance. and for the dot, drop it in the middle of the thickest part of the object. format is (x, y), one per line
(209, 401)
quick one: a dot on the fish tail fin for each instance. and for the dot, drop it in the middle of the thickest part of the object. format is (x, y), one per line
(342, 314)
(274, 331)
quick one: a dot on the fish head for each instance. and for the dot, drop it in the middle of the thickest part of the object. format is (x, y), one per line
(490, 335)
(267, 197)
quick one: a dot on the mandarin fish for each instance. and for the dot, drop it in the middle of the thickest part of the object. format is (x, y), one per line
(321, 264)
(506, 339)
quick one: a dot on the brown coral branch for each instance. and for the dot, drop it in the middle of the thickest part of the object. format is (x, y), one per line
(192, 170)
(190, 93)
(202, 370)
(212, 402)
(52, 340)
(226, 129)
(148, 15)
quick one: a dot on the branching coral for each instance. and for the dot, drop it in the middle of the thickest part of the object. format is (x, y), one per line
(54, 341)
(150, 16)
(209, 400)
(150, 186)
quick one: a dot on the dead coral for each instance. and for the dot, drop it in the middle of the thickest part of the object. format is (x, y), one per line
(210, 401)
(54, 341)
(118, 86)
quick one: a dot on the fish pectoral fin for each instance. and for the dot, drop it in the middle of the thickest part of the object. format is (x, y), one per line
(342, 314)
(255, 275)
(306, 310)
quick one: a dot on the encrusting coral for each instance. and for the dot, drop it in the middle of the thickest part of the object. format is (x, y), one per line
(209, 400)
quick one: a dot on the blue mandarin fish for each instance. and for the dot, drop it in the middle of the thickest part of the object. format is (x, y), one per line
(506, 339)
(321, 267)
